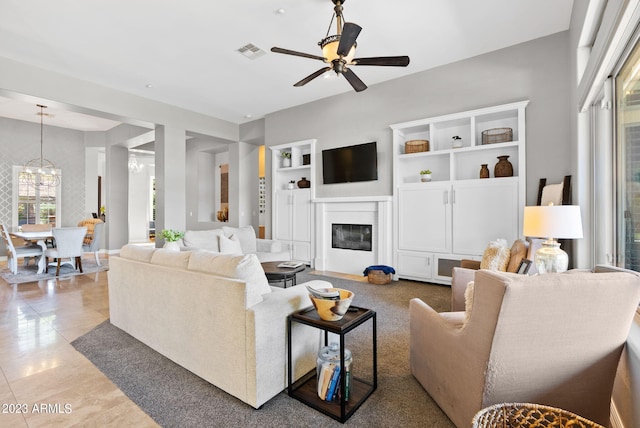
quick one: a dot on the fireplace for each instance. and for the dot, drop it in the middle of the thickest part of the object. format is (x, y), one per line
(352, 233)
(351, 236)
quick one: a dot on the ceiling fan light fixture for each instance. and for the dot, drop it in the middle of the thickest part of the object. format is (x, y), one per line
(329, 47)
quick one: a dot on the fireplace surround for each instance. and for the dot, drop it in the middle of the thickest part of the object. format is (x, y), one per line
(362, 226)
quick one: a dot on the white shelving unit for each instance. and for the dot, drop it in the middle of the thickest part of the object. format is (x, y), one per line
(292, 217)
(455, 215)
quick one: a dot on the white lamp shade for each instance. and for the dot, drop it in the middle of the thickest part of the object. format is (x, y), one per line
(553, 221)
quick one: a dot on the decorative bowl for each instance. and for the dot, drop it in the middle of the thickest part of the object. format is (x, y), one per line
(333, 310)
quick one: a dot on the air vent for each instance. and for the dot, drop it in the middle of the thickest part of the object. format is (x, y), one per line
(251, 51)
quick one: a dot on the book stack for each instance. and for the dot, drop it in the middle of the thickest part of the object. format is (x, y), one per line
(329, 382)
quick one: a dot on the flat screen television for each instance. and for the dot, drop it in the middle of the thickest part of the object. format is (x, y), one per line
(350, 164)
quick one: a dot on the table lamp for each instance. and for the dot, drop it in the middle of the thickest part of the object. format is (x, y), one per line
(552, 221)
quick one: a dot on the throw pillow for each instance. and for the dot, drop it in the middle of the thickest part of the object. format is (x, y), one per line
(202, 239)
(517, 253)
(230, 245)
(468, 301)
(246, 235)
(496, 256)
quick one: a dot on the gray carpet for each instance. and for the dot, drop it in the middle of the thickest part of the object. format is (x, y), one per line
(174, 397)
(30, 273)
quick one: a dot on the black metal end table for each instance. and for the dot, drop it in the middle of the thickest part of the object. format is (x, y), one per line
(304, 389)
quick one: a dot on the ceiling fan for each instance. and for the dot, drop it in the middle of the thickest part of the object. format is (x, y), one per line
(338, 51)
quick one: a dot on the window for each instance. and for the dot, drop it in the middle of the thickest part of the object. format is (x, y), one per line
(34, 205)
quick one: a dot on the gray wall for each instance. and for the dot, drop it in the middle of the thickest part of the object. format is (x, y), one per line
(537, 70)
(20, 142)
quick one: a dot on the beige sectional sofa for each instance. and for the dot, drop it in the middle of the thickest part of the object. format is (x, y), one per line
(235, 240)
(213, 314)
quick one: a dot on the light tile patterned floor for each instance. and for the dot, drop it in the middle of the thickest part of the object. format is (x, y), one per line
(44, 381)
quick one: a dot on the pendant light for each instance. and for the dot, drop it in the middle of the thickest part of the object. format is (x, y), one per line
(40, 172)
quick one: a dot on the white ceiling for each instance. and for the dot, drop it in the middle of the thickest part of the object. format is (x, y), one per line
(186, 50)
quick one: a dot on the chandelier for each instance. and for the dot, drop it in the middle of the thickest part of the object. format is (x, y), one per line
(40, 172)
(134, 165)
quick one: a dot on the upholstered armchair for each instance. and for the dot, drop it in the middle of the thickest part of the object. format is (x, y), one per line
(552, 339)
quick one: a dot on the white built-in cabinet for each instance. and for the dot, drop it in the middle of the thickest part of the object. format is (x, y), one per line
(456, 214)
(292, 215)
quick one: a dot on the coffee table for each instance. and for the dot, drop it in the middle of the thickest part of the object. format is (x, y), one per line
(281, 274)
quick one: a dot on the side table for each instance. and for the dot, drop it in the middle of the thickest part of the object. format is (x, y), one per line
(278, 274)
(304, 389)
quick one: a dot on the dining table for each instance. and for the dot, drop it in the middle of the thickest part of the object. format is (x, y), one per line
(39, 238)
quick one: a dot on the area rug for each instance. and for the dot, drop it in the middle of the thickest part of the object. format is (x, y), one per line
(175, 397)
(30, 273)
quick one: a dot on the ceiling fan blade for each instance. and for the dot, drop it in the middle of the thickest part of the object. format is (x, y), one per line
(392, 61)
(296, 53)
(348, 37)
(312, 76)
(354, 80)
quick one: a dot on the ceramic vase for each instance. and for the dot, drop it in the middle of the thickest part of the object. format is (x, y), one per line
(286, 162)
(425, 177)
(173, 246)
(503, 168)
(304, 183)
(484, 171)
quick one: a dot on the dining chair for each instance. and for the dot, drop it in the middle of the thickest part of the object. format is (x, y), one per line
(68, 245)
(13, 252)
(91, 243)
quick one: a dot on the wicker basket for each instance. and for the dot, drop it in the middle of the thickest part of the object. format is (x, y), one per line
(379, 277)
(497, 135)
(416, 146)
(525, 415)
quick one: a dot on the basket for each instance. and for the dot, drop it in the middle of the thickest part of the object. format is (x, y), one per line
(525, 415)
(378, 277)
(416, 146)
(497, 135)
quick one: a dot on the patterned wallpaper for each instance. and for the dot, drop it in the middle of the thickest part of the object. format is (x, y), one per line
(20, 142)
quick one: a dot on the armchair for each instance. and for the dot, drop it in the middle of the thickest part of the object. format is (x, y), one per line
(552, 339)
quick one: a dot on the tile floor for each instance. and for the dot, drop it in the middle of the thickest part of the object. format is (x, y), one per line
(44, 381)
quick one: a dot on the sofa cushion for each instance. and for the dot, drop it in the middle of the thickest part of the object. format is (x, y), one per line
(245, 268)
(202, 239)
(170, 258)
(230, 245)
(137, 252)
(246, 235)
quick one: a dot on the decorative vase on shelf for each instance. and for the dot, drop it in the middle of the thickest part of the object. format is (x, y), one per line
(484, 171)
(286, 162)
(291, 185)
(304, 183)
(425, 177)
(503, 168)
(457, 142)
